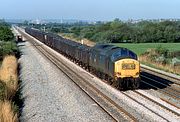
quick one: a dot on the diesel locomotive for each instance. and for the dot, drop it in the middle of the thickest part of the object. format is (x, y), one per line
(116, 65)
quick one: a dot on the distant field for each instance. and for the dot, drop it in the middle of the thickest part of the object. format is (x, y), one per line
(142, 47)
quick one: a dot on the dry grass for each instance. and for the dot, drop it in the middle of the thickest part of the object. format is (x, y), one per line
(6, 112)
(9, 69)
(166, 67)
(8, 74)
(8, 88)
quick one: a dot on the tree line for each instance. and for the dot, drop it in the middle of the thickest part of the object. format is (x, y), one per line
(118, 32)
(142, 32)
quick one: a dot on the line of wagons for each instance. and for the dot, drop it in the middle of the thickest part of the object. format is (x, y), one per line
(119, 66)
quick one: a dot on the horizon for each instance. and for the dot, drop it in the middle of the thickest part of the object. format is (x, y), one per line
(41, 21)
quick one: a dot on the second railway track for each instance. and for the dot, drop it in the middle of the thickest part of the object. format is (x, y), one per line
(172, 92)
(144, 100)
(164, 87)
(173, 79)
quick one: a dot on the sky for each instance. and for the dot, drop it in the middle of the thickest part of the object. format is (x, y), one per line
(103, 10)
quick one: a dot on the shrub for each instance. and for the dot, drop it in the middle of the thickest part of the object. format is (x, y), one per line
(8, 48)
(162, 51)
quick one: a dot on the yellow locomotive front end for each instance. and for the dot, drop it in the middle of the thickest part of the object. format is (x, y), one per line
(127, 68)
(127, 72)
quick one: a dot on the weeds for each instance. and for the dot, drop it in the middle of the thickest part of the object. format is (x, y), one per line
(8, 88)
(160, 63)
(6, 112)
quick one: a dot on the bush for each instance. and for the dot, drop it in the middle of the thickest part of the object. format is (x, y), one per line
(8, 48)
(7, 43)
(5, 33)
(162, 51)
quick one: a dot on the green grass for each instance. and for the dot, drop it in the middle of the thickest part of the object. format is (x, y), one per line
(142, 47)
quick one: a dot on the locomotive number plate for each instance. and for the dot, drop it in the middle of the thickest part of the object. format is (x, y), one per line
(126, 66)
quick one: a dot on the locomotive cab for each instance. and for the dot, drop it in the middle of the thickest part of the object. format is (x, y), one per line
(125, 63)
(126, 68)
(119, 64)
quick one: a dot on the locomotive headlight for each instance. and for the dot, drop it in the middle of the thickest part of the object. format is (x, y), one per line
(137, 73)
(118, 74)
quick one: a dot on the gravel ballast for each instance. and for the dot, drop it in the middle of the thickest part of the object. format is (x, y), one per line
(49, 96)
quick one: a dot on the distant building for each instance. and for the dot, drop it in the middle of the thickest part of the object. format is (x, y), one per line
(37, 21)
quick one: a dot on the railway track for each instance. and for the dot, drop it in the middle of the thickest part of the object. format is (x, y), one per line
(172, 92)
(167, 91)
(172, 79)
(170, 109)
(163, 86)
(159, 104)
(108, 105)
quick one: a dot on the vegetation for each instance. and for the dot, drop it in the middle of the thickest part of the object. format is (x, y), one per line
(140, 48)
(5, 32)
(120, 32)
(8, 88)
(7, 41)
(8, 74)
(162, 58)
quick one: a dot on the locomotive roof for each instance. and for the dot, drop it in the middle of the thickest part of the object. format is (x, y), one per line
(114, 52)
(105, 48)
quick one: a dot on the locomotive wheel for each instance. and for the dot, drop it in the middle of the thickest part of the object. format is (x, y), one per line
(103, 76)
(88, 68)
(120, 84)
(110, 80)
(135, 83)
(115, 83)
(107, 77)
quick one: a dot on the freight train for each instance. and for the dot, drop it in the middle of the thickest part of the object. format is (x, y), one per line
(116, 65)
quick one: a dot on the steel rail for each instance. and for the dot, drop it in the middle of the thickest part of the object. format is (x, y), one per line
(159, 104)
(166, 85)
(162, 90)
(162, 75)
(144, 105)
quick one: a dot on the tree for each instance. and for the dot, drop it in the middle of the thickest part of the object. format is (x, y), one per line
(6, 34)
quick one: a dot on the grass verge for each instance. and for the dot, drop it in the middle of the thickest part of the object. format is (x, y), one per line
(165, 67)
(8, 89)
(7, 113)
